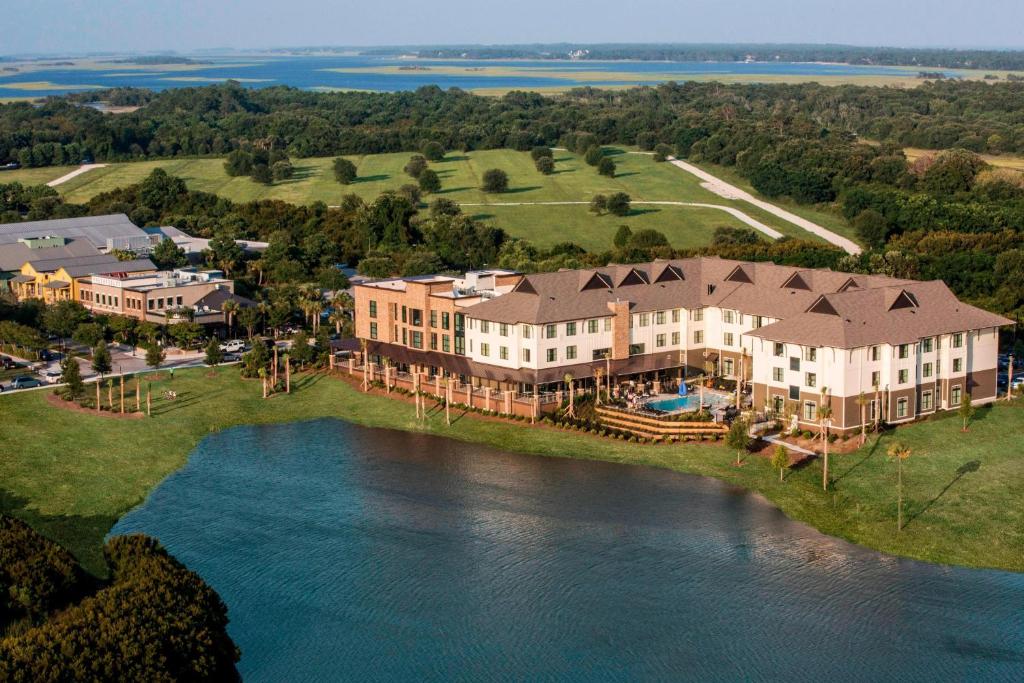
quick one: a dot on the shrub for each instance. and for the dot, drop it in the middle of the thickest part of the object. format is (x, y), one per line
(495, 181)
(593, 155)
(37, 576)
(430, 182)
(606, 167)
(416, 165)
(541, 152)
(807, 434)
(344, 171)
(619, 204)
(433, 151)
(545, 165)
(662, 152)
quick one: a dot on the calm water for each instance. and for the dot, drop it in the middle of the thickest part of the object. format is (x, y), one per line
(309, 72)
(352, 554)
(690, 402)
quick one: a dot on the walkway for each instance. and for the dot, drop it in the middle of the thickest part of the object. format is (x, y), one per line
(728, 191)
(77, 172)
(779, 442)
(736, 213)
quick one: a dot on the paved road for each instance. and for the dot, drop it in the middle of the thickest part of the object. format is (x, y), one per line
(724, 189)
(77, 172)
(736, 213)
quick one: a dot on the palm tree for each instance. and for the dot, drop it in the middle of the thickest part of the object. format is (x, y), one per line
(571, 388)
(341, 305)
(825, 419)
(900, 452)
(598, 374)
(230, 308)
(366, 364)
(862, 401)
(257, 265)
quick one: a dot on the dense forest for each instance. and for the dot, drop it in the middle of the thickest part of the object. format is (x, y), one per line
(711, 52)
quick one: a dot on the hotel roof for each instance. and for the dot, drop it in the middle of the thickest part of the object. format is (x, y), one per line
(96, 229)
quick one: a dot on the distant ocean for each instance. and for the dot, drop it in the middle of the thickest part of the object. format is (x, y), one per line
(308, 72)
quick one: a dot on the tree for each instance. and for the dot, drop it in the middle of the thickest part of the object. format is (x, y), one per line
(593, 155)
(646, 140)
(411, 193)
(154, 356)
(545, 165)
(899, 452)
(606, 167)
(225, 253)
(825, 420)
(63, 317)
(214, 356)
(570, 386)
(599, 204)
(871, 227)
(167, 255)
(433, 151)
(71, 375)
(619, 204)
(230, 309)
(430, 182)
(300, 350)
(416, 165)
(622, 236)
(738, 438)
(662, 152)
(249, 318)
(88, 334)
(495, 181)
(540, 152)
(261, 173)
(238, 163)
(780, 460)
(282, 170)
(966, 410)
(101, 361)
(344, 171)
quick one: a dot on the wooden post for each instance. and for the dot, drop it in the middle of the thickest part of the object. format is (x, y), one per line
(110, 394)
(448, 402)
(469, 394)
(387, 379)
(1009, 380)
(138, 395)
(149, 400)
(366, 374)
(122, 394)
(330, 360)
(275, 365)
(287, 375)
(416, 392)
(437, 385)
(351, 366)
(487, 399)
(536, 407)
(98, 407)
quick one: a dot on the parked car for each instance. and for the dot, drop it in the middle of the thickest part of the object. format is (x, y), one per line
(7, 363)
(24, 382)
(233, 346)
(232, 357)
(51, 376)
(48, 355)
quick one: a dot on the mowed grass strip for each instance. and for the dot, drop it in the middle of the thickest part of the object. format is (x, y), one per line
(73, 474)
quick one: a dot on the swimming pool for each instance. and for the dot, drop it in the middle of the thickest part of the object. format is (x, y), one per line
(688, 403)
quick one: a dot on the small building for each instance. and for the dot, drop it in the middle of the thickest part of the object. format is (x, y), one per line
(162, 296)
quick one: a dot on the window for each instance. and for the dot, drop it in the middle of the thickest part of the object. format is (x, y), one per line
(417, 317)
(675, 315)
(433, 341)
(876, 379)
(373, 328)
(592, 326)
(373, 308)
(811, 379)
(873, 410)
(503, 329)
(446, 344)
(550, 331)
(875, 353)
(570, 353)
(926, 370)
(636, 349)
(150, 302)
(926, 401)
(659, 340)
(698, 315)
(958, 364)
(926, 345)
(698, 336)
(552, 355)
(527, 331)
(570, 329)
(728, 316)
(780, 349)
(810, 354)
(794, 393)
(417, 340)
(778, 375)
(958, 340)
(810, 411)
(727, 339)
(503, 352)
(445, 320)
(904, 350)
(485, 326)
(485, 349)
(955, 396)
(728, 365)
(903, 376)
(659, 318)
(405, 314)
(599, 354)
(675, 339)
(526, 355)
(901, 407)
(758, 321)
(645, 319)
(607, 324)
(405, 337)
(460, 345)
(794, 363)
(433, 318)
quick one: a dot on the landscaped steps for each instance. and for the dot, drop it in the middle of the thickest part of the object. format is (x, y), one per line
(650, 427)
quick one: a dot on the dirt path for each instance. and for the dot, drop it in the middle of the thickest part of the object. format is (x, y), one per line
(724, 189)
(77, 172)
(736, 213)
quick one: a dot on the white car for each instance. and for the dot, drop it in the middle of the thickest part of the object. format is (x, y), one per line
(51, 376)
(233, 346)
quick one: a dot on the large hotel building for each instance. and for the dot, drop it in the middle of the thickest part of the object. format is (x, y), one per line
(796, 337)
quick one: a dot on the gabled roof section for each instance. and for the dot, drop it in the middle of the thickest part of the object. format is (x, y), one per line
(796, 281)
(739, 274)
(849, 284)
(595, 281)
(524, 287)
(669, 273)
(822, 305)
(903, 299)
(635, 276)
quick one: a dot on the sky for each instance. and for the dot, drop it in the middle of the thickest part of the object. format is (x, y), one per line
(80, 26)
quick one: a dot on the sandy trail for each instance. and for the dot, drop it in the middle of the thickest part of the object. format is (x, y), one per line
(77, 172)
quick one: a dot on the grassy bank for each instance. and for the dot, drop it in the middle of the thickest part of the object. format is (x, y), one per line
(71, 475)
(573, 181)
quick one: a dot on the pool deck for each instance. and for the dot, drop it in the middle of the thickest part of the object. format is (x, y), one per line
(712, 398)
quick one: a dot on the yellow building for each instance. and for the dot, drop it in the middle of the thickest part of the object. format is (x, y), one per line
(57, 279)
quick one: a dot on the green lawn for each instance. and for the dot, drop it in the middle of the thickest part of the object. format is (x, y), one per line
(574, 181)
(72, 475)
(35, 176)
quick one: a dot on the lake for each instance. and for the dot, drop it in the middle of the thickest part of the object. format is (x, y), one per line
(345, 553)
(313, 72)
